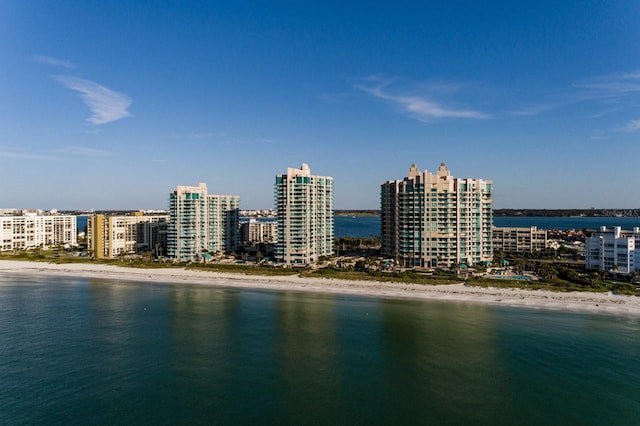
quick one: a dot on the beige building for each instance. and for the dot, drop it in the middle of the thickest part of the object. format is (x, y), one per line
(519, 240)
(434, 219)
(32, 230)
(117, 235)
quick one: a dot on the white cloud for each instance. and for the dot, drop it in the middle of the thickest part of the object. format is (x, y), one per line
(203, 135)
(631, 126)
(105, 104)
(86, 152)
(421, 107)
(48, 60)
(612, 85)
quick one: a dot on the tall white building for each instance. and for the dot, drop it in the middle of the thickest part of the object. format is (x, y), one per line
(433, 219)
(614, 249)
(201, 223)
(33, 230)
(304, 205)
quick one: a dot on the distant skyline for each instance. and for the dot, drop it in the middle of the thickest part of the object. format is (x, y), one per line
(111, 105)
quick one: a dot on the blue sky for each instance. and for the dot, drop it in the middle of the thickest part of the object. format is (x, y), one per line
(111, 105)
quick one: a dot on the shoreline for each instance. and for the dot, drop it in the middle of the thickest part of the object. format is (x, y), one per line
(600, 303)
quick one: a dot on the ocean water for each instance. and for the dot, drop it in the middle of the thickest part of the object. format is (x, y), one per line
(93, 351)
(369, 226)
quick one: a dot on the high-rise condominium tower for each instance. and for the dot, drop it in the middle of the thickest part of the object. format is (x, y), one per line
(201, 223)
(304, 205)
(431, 220)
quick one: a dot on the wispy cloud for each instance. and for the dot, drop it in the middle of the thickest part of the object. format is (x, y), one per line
(613, 85)
(105, 104)
(419, 106)
(49, 60)
(24, 155)
(85, 152)
(612, 91)
(202, 135)
(631, 126)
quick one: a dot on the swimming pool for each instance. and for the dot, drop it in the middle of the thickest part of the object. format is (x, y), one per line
(510, 277)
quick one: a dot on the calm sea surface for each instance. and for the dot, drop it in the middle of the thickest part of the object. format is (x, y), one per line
(369, 226)
(91, 351)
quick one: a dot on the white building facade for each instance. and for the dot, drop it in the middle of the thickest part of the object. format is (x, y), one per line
(613, 249)
(436, 220)
(32, 231)
(200, 223)
(258, 231)
(304, 206)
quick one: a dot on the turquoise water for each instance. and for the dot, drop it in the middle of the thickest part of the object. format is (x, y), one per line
(511, 277)
(91, 351)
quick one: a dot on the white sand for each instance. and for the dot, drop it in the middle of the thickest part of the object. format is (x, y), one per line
(538, 299)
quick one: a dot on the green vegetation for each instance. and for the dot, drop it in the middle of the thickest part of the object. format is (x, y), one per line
(558, 275)
(406, 277)
(249, 269)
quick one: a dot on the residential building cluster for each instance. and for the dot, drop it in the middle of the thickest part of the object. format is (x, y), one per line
(427, 220)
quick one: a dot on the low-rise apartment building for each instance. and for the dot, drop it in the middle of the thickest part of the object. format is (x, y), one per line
(258, 231)
(519, 240)
(613, 249)
(33, 230)
(117, 235)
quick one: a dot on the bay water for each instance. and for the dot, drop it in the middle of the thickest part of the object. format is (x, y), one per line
(369, 226)
(94, 351)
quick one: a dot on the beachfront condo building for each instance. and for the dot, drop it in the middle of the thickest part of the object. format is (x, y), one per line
(111, 236)
(201, 223)
(613, 249)
(519, 240)
(436, 220)
(32, 230)
(304, 206)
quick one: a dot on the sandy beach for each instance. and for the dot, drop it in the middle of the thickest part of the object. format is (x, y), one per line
(537, 299)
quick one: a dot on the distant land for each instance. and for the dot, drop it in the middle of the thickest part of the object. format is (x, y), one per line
(527, 212)
(497, 212)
